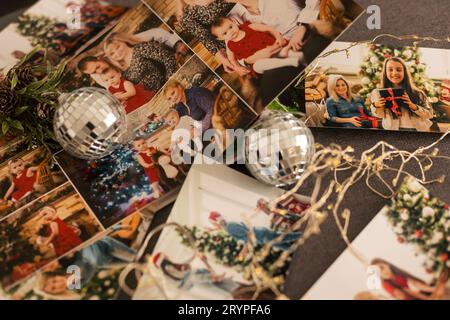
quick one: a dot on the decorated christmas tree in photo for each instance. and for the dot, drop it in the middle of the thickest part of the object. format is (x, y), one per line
(14, 248)
(36, 28)
(233, 253)
(423, 221)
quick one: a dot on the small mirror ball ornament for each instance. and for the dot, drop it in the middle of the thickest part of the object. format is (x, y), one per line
(278, 148)
(90, 123)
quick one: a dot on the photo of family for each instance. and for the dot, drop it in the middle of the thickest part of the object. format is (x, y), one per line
(258, 47)
(60, 27)
(25, 177)
(43, 231)
(100, 264)
(133, 61)
(377, 87)
(406, 251)
(215, 220)
(154, 163)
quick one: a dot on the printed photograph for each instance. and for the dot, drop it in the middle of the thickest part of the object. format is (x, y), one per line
(132, 62)
(404, 254)
(376, 87)
(153, 164)
(43, 231)
(257, 46)
(100, 264)
(25, 177)
(59, 26)
(215, 220)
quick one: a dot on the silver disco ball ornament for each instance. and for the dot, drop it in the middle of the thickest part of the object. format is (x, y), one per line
(278, 148)
(90, 123)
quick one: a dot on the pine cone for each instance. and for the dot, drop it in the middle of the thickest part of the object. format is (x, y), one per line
(9, 100)
(25, 76)
(44, 111)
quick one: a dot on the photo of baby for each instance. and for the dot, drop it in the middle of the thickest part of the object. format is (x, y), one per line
(55, 232)
(43, 231)
(152, 166)
(145, 158)
(133, 61)
(258, 46)
(25, 177)
(131, 96)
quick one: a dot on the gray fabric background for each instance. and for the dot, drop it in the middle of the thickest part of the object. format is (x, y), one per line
(399, 17)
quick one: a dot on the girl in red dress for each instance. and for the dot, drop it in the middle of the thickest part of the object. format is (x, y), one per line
(55, 231)
(130, 95)
(145, 159)
(24, 180)
(258, 45)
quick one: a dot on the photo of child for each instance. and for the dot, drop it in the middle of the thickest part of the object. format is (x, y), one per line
(218, 270)
(418, 112)
(132, 61)
(43, 231)
(54, 232)
(257, 46)
(145, 159)
(24, 180)
(189, 129)
(149, 169)
(131, 96)
(376, 86)
(26, 177)
(100, 263)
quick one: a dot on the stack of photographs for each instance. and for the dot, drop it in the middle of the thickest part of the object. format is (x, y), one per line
(219, 222)
(173, 66)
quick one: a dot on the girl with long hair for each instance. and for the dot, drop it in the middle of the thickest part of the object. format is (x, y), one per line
(418, 111)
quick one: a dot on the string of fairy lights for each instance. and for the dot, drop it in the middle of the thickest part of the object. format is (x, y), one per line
(328, 195)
